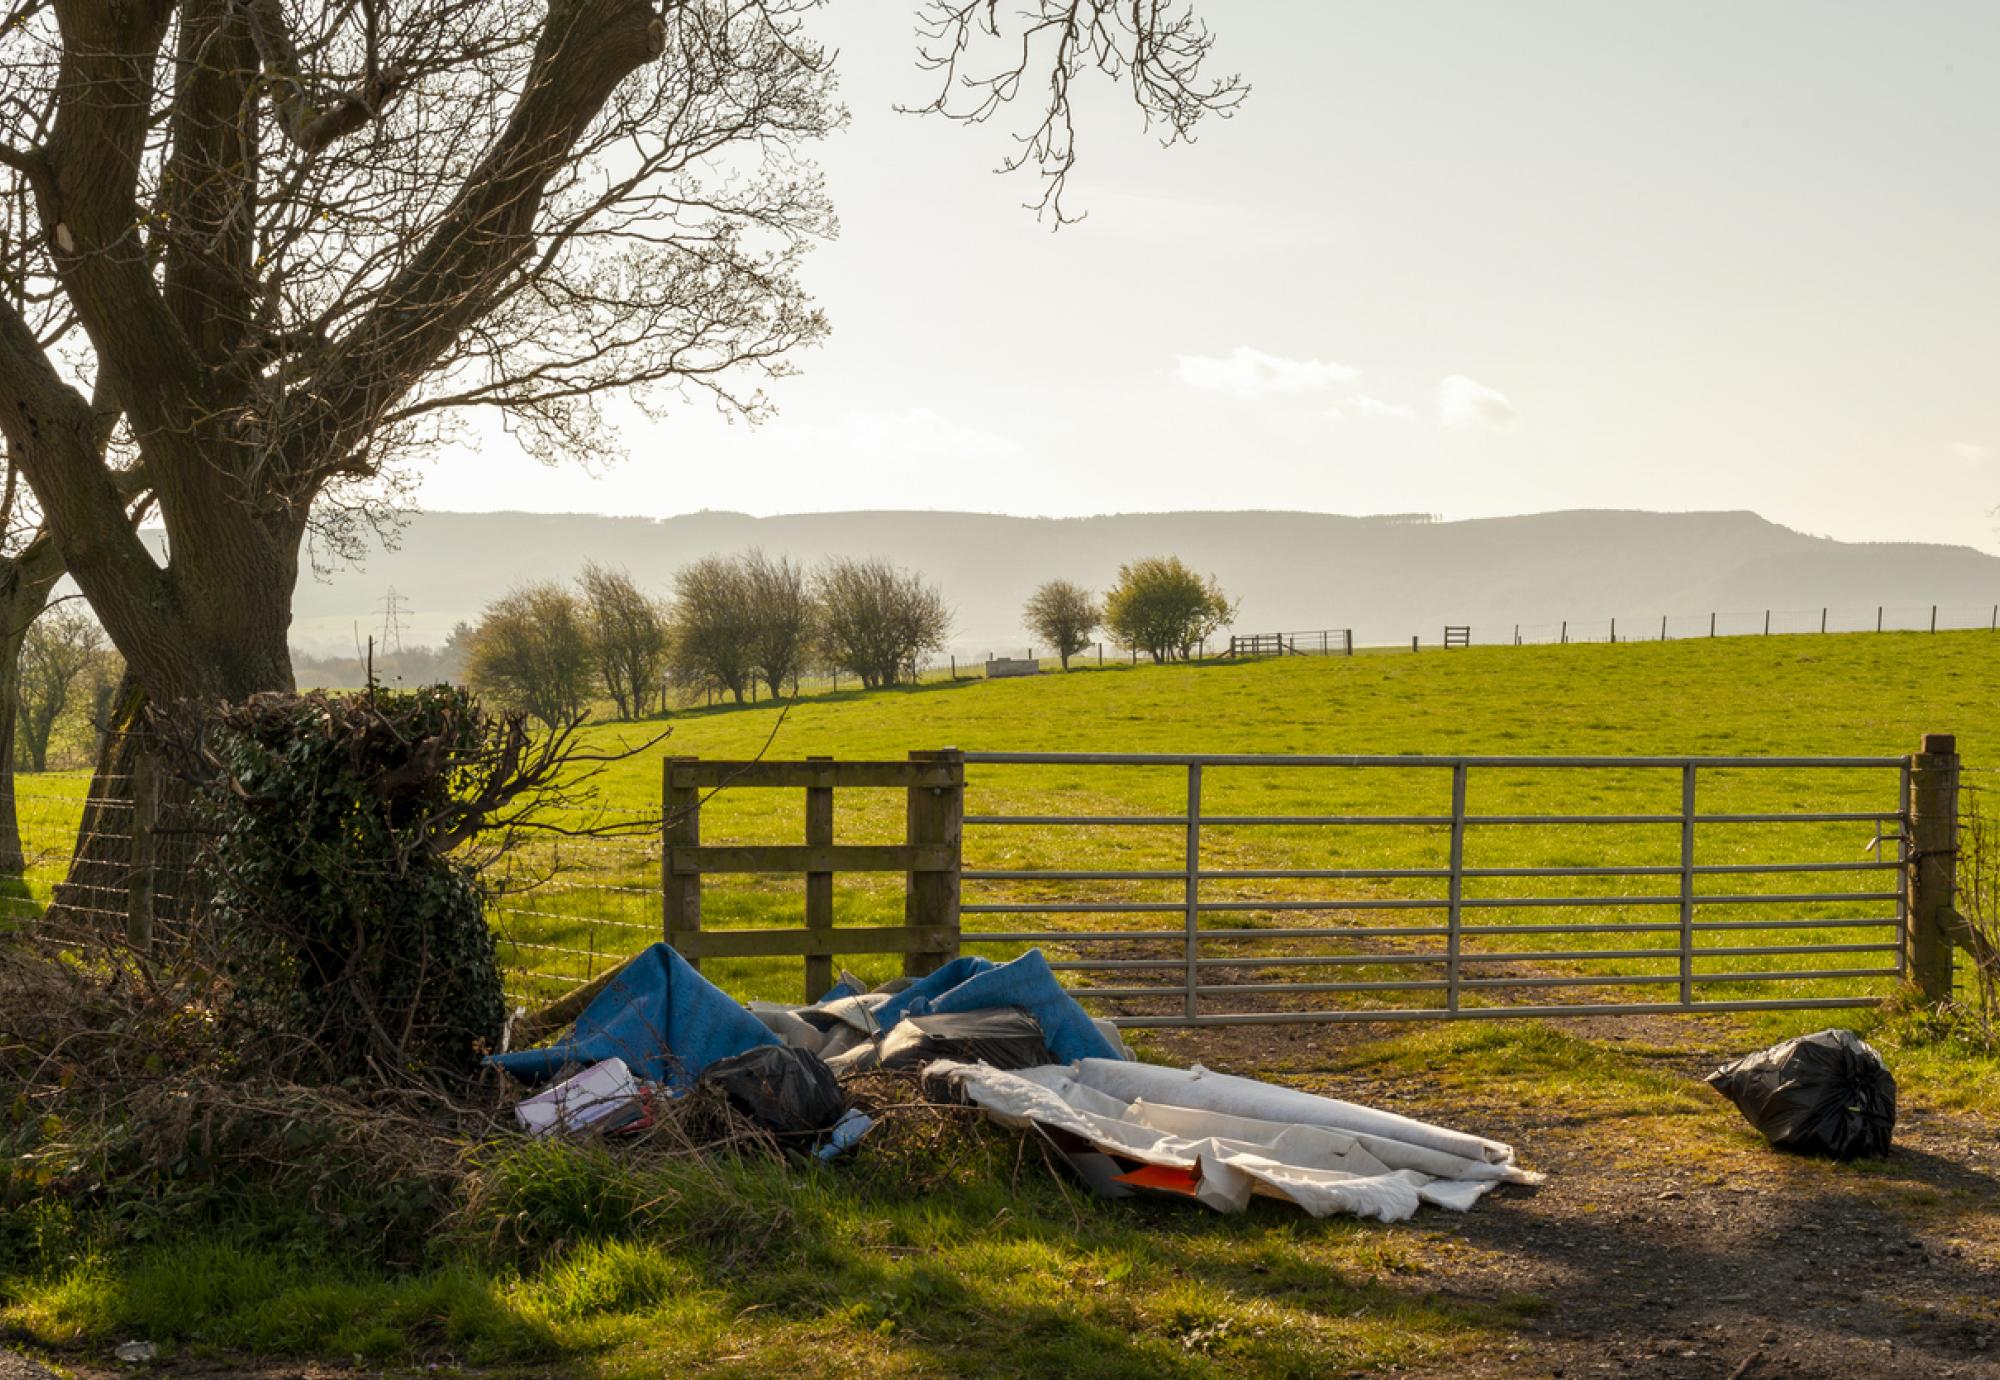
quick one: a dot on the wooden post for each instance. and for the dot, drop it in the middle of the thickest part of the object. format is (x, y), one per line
(1929, 913)
(1822, 621)
(1933, 617)
(1767, 622)
(936, 816)
(1565, 633)
(1711, 623)
(819, 886)
(1614, 630)
(680, 827)
(1413, 642)
(1663, 627)
(1878, 618)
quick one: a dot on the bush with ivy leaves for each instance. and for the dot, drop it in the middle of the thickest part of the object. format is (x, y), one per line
(354, 942)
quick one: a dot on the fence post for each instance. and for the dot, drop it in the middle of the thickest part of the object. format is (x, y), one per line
(1933, 874)
(1878, 618)
(936, 816)
(1711, 623)
(819, 887)
(1614, 630)
(1413, 642)
(1565, 632)
(680, 827)
(1822, 622)
(1663, 627)
(1767, 622)
(1933, 617)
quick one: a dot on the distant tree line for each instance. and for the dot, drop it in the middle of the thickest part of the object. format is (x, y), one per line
(732, 624)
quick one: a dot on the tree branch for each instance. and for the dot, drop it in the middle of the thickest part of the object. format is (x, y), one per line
(310, 124)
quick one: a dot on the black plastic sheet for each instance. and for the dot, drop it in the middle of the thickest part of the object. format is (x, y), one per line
(790, 1091)
(1822, 1094)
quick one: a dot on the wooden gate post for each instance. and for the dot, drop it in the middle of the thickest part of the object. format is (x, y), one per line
(819, 887)
(1932, 882)
(936, 816)
(680, 827)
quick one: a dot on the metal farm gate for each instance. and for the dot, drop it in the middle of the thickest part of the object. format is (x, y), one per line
(1779, 905)
(1202, 888)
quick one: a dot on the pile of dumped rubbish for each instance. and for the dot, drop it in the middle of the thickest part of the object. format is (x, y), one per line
(1006, 1038)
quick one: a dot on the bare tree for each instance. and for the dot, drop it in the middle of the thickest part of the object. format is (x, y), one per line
(275, 247)
(1064, 615)
(784, 618)
(877, 620)
(57, 656)
(714, 631)
(1161, 606)
(531, 651)
(628, 637)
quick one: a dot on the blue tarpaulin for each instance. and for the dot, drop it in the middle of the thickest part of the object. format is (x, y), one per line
(978, 984)
(665, 1020)
(668, 1022)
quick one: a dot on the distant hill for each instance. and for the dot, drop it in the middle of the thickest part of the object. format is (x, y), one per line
(1386, 577)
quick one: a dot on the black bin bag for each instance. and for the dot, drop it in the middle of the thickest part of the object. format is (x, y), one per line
(1005, 1037)
(790, 1091)
(1823, 1094)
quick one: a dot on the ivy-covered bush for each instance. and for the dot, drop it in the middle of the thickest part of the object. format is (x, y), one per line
(354, 942)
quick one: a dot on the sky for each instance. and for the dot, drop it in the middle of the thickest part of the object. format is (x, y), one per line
(1466, 257)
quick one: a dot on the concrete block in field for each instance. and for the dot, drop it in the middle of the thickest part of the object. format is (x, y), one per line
(999, 668)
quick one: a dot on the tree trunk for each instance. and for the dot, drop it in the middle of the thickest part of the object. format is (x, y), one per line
(230, 659)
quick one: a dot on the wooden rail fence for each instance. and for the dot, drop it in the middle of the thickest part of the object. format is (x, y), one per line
(929, 857)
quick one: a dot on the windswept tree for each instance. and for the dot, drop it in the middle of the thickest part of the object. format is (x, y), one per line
(713, 630)
(531, 651)
(877, 622)
(784, 618)
(1064, 615)
(273, 247)
(1162, 607)
(628, 638)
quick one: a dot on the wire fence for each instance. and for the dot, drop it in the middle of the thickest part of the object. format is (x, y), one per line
(1658, 627)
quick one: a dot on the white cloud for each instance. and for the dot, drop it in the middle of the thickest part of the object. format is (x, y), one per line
(1969, 452)
(1467, 403)
(1361, 407)
(1252, 373)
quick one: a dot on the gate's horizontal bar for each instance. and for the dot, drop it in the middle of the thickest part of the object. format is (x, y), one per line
(1671, 979)
(1072, 908)
(1031, 875)
(1252, 759)
(1491, 1013)
(1809, 817)
(719, 775)
(1303, 932)
(1064, 936)
(1671, 870)
(1248, 988)
(1874, 922)
(795, 857)
(858, 939)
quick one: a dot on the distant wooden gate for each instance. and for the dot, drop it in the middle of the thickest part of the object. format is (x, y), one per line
(928, 856)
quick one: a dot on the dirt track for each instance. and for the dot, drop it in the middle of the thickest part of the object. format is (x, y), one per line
(1693, 1250)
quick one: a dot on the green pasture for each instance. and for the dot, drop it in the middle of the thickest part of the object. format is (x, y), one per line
(593, 901)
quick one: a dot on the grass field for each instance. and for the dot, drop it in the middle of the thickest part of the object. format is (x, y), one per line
(984, 1264)
(1832, 696)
